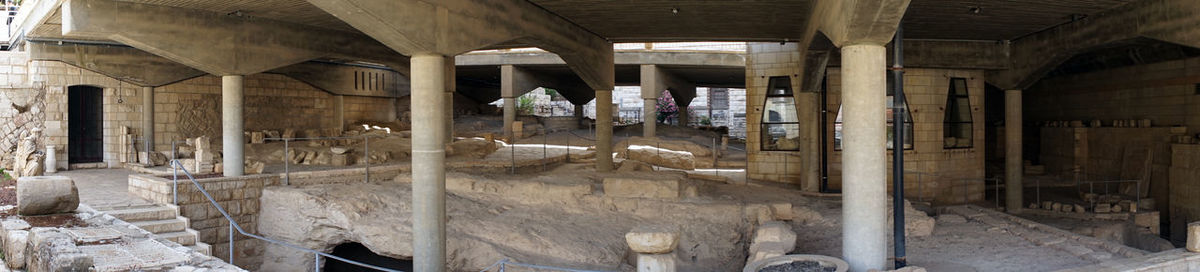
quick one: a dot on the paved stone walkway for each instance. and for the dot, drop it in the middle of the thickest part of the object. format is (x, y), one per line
(104, 189)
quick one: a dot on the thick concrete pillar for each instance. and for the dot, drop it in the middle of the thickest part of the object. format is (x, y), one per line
(339, 111)
(232, 125)
(604, 130)
(650, 91)
(864, 157)
(683, 116)
(148, 120)
(579, 112)
(1012, 152)
(810, 140)
(649, 116)
(510, 116)
(428, 162)
(449, 111)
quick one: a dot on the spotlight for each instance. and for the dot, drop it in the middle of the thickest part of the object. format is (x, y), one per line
(674, 10)
(975, 10)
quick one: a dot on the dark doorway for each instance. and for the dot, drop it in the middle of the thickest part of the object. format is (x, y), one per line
(85, 141)
(359, 253)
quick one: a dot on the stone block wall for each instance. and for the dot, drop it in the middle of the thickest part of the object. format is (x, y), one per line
(238, 195)
(1184, 187)
(1164, 92)
(957, 171)
(369, 109)
(184, 109)
(763, 61)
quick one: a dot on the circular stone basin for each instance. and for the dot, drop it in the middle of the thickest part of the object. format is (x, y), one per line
(798, 263)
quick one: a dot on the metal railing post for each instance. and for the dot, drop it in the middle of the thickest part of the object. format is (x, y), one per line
(545, 137)
(287, 157)
(367, 150)
(175, 182)
(231, 241)
(512, 155)
(316, 262)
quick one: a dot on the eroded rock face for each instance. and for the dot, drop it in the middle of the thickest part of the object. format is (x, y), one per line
(46, 195)
(489, 220)
(916, 223)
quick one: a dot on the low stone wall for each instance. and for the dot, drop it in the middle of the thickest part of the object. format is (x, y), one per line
(559, 123)
(238, 195)
(344, 176)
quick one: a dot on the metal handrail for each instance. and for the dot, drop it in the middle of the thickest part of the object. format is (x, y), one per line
(234, 225)
(505, 262)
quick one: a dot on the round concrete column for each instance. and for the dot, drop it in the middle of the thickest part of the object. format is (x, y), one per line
(510, 116)
(1012, 152)
(604, 130)
(428, 162)
(683, 116)
(864, 176)
(232, 125)
(148, 120)
(649, 116)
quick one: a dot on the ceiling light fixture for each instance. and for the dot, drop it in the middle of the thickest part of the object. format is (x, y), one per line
(975, 10)
(674, 10)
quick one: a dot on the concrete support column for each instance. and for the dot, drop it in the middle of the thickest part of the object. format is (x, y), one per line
(864, 157)
(810, 140)
(428, 159)
(649, 116)
(339, 111)
(233, 125)
(148, 120)
(1012, 152)
(604, 130)
(579, 112)
(683, 116)
(651, 89)
(510, 116)
(450, 88)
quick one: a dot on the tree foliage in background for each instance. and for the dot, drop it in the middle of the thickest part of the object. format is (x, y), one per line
(667, 110)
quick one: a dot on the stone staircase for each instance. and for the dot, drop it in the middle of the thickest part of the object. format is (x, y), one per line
(164, 221)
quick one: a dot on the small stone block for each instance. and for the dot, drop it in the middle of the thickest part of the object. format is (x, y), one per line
(652, 240)
(46, 195)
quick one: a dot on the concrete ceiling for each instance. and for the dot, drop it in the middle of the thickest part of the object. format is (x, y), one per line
(290, 11)
(653, 20)
(997, 19)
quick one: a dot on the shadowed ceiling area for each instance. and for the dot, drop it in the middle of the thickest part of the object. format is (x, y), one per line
(995, 19)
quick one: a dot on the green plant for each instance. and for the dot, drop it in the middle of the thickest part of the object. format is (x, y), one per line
(525, 105)
(4, 175)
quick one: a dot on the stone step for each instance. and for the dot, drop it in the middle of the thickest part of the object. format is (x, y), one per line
(164, 225)
(156, 212)
(186, 237)
(202, 247)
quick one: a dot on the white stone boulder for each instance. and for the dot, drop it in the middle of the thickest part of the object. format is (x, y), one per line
(662, 157)
(652, 240)
(46, 195)
(1193, 236)
(772, 238)
(916, 223)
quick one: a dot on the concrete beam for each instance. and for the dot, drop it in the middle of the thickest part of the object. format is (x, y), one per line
(31, 15)
(352, 80)
(219, 44)
(1033, 56)
(659, 80)
(619, 58)
(125, 63)
(849, 22)
(454, 27)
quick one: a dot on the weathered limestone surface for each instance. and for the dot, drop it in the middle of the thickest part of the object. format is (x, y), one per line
(49, 249)
(652, 240)
(46, 195)
(491, 219)
(642, 188)
(773, 238)
(1193, 237)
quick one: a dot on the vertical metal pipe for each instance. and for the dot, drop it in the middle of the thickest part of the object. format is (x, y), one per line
(175, 182)
(287, 173)
(898, 111)
(824, 127)
(316, 262)
(367, 149)
(231, 241)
